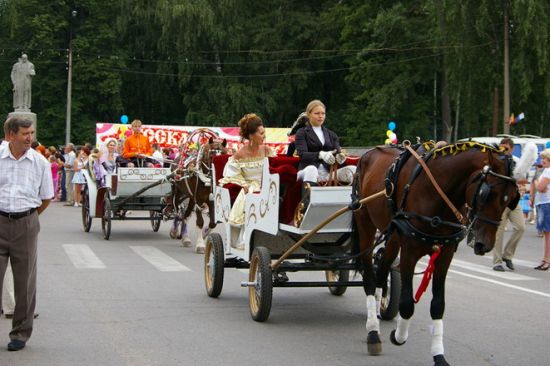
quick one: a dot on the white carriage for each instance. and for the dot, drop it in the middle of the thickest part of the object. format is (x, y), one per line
(131, 189)
(272, 227)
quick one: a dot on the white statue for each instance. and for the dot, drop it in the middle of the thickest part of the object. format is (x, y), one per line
(21, 77)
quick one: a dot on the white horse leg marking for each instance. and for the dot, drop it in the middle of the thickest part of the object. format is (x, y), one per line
(205, 231)
(402, 331)
(437, 337)
(199, 245)
(372, 320)
(378, 297)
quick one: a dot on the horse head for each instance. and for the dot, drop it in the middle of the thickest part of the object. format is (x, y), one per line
(213, 148)
(490, 191)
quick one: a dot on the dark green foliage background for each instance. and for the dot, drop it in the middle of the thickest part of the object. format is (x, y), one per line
(207, 62)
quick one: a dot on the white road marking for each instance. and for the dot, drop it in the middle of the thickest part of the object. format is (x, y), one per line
(520, 262)
(82, 256)
(540, 293)
(161, 261)
(508, 275)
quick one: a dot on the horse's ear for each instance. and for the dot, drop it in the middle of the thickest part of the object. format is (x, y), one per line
(211, 140)
(224, 143)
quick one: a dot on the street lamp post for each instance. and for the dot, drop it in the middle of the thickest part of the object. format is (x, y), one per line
(74, 13)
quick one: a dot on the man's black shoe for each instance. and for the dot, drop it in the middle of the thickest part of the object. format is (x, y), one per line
(499, 268)
(509, 264)
(16, 345)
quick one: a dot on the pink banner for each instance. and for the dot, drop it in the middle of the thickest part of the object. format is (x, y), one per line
(173, 136)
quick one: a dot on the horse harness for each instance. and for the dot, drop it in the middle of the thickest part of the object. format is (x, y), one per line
(401, 219)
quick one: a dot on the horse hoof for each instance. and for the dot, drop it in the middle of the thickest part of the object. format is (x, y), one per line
(199, 250)
(173, 234)
(439, 360)
(393, 340)
(186, 243)
(374, 345)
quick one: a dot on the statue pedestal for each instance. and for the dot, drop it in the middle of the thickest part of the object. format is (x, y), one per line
(28, 115)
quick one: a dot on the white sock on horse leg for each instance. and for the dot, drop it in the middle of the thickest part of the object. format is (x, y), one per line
(437, 337)
(378, 297)
(372, 319)
(402, 331)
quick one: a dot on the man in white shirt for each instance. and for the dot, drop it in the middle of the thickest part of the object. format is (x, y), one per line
(70, 157)
(26, 188)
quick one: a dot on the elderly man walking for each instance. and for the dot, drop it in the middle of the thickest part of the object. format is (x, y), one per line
(26, 188)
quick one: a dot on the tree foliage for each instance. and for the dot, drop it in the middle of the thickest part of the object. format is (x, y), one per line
(207, 62)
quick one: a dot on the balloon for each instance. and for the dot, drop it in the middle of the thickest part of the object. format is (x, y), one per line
(388, 133)
(548, 145)
(124, 119)
(393, 136)
(394, 141)
(387, 142)
(392, 125)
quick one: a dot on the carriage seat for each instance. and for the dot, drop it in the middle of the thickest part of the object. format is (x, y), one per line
(290, 190)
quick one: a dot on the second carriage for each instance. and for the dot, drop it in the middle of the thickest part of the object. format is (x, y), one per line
(137, 189)
(272, 228)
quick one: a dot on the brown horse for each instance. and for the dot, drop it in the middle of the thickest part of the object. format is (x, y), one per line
(193, 182)
(416, 220)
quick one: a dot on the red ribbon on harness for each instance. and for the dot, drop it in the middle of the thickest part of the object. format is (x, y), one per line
(427, 274)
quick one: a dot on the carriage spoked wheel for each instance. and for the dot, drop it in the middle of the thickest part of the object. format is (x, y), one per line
(260, 294)
(156, 218)
(106, 217)
(214, 265)
(389, 305)
(337, 276)
(86, 218)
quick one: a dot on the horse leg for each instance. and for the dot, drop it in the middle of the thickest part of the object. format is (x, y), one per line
(199, 244)
(437, 306)
(185, 239)
(391, 251)
(175, 226)
(407, 263)
(366, 233)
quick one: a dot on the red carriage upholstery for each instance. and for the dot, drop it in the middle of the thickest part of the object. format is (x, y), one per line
(291, 189)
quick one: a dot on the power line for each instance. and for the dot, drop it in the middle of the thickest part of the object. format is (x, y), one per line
(264, 62)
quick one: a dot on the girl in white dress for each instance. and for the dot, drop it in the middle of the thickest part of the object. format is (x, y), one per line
(79, 180)
(245, 167)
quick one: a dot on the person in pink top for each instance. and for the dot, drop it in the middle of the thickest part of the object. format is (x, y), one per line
(55, 175)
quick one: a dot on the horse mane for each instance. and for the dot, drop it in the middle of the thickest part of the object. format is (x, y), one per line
(458, 147)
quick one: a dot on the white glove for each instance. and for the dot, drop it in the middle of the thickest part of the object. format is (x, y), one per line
(327, 157)
(340, 158)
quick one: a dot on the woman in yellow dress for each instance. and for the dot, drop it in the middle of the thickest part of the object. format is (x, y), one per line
(245, 166)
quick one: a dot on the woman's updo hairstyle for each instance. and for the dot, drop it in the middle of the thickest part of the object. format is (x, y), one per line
(313, 104)
(248, 125)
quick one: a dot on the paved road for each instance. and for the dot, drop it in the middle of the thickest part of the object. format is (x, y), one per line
(139, 299)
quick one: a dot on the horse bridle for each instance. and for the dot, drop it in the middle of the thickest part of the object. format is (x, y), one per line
(482, 194)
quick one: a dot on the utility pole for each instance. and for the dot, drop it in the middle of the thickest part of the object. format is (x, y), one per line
(506, 103)
(74, 13)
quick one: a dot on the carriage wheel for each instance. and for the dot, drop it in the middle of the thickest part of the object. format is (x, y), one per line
(389, 306)
(261, 294)
(337, 276)
(106, 218)
(156, 218)
(214, 265)
(86, 218)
